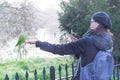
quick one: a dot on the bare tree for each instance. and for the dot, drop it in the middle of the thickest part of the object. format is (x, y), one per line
(16, 20)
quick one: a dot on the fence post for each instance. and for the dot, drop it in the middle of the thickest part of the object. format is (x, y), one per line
(117, 73)
(6, 77)
(66, 69)
(35, 74)
(60, 72)
(114, 74)
(26, 75)
(44, 74)
(73, 69)
(52, 73)
(16, 76)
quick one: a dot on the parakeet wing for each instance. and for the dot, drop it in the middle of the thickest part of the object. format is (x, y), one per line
(22, 39)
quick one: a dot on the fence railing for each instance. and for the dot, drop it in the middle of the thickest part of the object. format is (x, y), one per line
(67, 76)
(26, 76)
(52, 75)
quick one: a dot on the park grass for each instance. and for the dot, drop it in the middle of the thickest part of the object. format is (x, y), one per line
(10, 67)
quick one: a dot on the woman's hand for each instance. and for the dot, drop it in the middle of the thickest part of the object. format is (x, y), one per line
(30, 41)
(73, 38)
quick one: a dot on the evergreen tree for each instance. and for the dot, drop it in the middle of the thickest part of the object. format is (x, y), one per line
(76, 14)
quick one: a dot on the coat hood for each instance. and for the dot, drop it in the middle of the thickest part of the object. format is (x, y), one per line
(103, 42)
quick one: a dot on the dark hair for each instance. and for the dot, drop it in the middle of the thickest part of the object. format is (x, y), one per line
(100, 30)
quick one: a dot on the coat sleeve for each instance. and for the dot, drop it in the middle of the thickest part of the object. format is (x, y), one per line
(63, 49)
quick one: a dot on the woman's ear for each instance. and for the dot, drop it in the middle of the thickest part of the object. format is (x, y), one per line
(108, 30)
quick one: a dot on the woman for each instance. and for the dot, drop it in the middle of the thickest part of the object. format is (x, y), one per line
(98, 39)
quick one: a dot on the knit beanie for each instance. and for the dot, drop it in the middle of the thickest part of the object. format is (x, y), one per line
(103, 19)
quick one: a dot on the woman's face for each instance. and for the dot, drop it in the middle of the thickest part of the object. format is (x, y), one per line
(93, 25)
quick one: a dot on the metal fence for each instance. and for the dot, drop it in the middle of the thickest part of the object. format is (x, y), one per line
(67, 76)
(52, 75)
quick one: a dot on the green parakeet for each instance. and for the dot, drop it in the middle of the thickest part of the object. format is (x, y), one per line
(22, 39)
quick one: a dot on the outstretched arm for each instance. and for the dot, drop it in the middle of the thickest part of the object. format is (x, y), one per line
(61, 49)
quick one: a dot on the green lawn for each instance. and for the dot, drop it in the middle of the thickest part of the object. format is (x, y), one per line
(21, 66)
